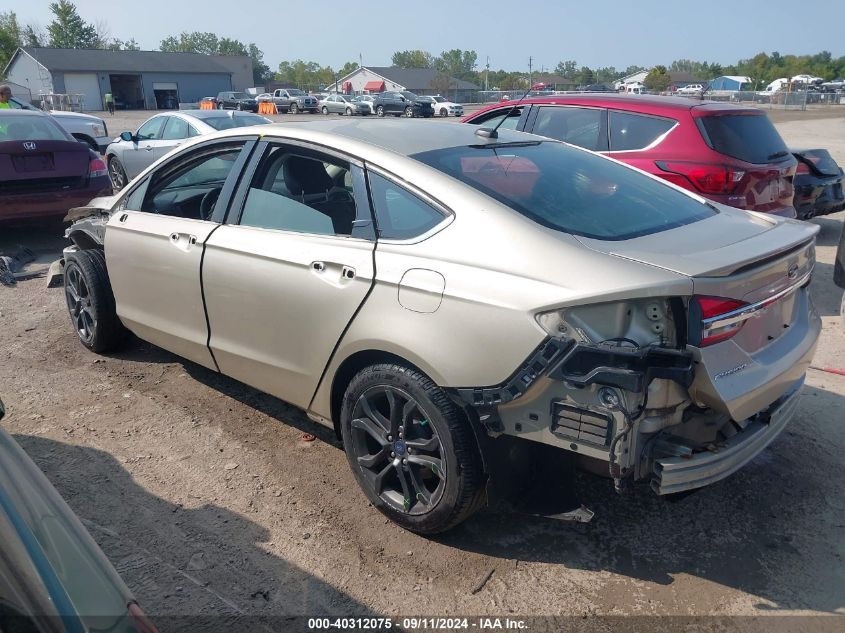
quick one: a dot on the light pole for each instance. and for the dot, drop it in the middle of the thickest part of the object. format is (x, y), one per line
(486, 75)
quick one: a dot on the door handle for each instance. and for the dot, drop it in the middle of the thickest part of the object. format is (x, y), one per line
(318, 266)
(149, 148)
(183, 241)
(348, 272)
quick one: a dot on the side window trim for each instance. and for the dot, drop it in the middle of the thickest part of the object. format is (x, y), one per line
(653, 143)
(448, 214)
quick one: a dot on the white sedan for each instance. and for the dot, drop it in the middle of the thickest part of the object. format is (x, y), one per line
(444, 107)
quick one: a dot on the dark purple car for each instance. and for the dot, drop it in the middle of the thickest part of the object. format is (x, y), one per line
(44, 171)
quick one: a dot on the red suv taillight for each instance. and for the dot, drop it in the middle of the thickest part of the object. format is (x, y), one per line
(704, 177)
(139, 619)
(716, 324)
(97, 167)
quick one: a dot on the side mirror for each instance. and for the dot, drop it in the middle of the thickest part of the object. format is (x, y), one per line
(126, 136)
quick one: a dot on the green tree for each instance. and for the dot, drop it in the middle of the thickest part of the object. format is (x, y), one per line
(261, 73)
(121, 45)
(567, 69)
(412, 59)
(658, 79)
(457, 63)
(10, 36)
(68, 29)
(585, 76)
(33, 36)
(347, 68)
(194, 42)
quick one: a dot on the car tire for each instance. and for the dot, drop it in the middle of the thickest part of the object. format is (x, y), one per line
(348, 111)
(435, 487)
(90, 301)
(117, 174)
(409, 112)
(219, 106)
(444, 112)
(380, 111)
(239, 107)
(294, 108)
(325, 111)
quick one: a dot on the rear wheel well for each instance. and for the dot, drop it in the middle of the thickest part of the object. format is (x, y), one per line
(87, 139)
(349, 368)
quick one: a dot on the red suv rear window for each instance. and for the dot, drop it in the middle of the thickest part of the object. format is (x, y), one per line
(748, 137)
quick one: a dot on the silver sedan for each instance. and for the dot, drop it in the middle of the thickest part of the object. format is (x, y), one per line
(342, 104)
(130, 153)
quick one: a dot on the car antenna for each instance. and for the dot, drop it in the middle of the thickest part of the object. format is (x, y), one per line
(484, 132)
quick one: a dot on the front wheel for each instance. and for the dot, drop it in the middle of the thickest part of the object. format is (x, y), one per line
(294, 108)
(409, 112)
(90, 301)
(348, 111)
(240, 107)
(444, 112)
(117, 174)
(380, 111)
(411, 449)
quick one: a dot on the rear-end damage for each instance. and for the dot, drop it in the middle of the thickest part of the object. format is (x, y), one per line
(679, 392)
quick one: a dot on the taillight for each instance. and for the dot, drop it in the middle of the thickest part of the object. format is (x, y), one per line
(716, 322)
(97, 167)
(706, 178)
(803, 168)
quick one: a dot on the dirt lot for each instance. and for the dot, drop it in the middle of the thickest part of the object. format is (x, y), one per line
(206, 498)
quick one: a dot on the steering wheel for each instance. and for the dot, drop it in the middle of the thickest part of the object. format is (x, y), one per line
(208, 201)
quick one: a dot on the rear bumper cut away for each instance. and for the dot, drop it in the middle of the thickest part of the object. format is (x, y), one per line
(679, 474)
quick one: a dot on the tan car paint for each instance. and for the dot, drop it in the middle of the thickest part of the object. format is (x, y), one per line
(154, 268)
(275, 327)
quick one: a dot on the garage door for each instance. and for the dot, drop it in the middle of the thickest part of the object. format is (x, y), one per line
(85, 84)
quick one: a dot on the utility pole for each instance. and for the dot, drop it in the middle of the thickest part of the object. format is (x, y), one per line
(486, 75)
(530, 63)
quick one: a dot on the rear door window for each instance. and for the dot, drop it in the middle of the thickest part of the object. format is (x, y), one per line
(584, 127)
(748, 137)
(175, 129)
(636, 131)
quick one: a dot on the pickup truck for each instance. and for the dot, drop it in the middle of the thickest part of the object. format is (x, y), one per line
(83, 127)
(295, 101)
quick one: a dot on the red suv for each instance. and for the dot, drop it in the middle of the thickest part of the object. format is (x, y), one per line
(727, 153)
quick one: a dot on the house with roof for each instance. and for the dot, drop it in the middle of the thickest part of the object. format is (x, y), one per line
(731, 83)
(137, 79)
(422, 81)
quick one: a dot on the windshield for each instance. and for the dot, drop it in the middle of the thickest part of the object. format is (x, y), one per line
(748, 137)
(227, 122)
(409, 95)
(295, 93)
(569, 190)
(440, 99)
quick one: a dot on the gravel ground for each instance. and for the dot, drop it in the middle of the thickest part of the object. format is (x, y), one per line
(207, 499)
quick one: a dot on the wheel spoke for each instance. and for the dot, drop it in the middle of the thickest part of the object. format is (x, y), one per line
(375, 415)
(407, 410)
(372, 428)
(429, 445)
(406, 490)
(434, 464)
(378, 480)
(368, 461)
(421, 493)
(395, 412)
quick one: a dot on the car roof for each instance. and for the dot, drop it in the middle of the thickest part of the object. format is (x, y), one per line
(400, 136)
(654, 104)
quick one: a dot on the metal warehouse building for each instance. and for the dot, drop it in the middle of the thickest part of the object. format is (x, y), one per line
(137, 79)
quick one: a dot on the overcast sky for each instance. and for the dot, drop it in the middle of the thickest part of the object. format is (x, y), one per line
(607, 33)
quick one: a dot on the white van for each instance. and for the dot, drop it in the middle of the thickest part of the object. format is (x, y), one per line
(635, 89)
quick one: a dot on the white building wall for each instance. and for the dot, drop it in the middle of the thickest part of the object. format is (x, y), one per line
(25, 71)
(360, 78)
